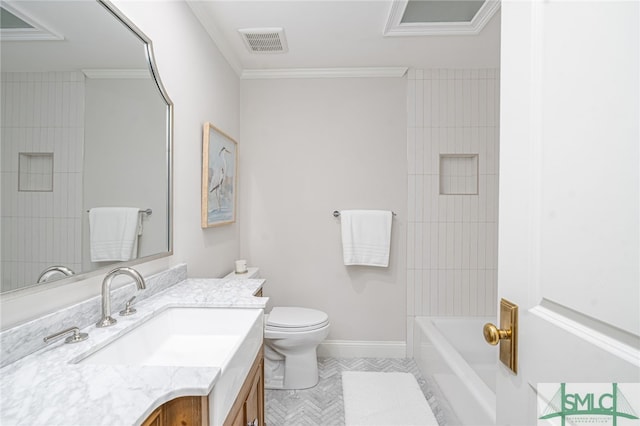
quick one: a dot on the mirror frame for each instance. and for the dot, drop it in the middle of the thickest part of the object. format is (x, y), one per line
(150, 58)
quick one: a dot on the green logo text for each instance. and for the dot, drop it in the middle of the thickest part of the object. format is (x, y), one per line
(612, 404)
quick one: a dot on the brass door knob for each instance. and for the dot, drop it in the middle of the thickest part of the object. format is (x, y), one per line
(493, 334)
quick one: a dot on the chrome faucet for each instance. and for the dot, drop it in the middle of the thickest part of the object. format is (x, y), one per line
(53, 270)
(106, 320)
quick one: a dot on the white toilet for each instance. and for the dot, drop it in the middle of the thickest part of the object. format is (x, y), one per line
(291, 336)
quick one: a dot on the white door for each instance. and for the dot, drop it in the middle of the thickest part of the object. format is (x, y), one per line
(569, 201)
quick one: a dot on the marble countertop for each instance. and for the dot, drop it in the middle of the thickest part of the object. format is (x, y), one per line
(46, 388)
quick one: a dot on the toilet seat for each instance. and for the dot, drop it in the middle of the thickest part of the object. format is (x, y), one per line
(295, 320)
(291, 339)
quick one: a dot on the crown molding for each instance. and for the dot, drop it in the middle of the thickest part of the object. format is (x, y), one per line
(392, 72)
(27, 34)
(116, 73)
(395, 28)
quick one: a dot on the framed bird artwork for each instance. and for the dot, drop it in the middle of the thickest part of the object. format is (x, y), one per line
(219, 177)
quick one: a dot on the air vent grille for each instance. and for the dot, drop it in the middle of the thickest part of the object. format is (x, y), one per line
(264, 40)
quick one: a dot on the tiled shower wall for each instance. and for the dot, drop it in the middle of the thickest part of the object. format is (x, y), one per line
(452, 238)
(41, 113)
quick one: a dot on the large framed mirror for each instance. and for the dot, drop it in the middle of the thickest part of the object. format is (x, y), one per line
(86, 127)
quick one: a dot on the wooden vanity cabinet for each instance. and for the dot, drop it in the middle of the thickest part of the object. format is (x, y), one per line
(248, 408)
(184, 411)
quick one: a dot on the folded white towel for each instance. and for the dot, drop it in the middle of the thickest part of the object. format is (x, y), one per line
(366, 237)
(114, 233)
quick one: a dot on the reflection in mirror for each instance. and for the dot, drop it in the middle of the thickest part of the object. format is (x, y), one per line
(85, 125)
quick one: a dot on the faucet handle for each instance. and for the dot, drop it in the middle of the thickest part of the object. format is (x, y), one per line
(77, 336)
(128, 310)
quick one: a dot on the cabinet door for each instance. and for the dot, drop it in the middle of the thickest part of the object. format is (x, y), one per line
(252, 404)
(248, 409)
(238, 420)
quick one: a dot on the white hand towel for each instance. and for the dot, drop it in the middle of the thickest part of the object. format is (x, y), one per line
(366, 237)
(113, 233)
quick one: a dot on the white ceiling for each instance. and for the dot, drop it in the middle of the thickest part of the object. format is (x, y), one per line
(320, 34)
(336, 34)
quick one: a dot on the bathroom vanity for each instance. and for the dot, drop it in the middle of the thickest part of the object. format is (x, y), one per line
(124, 374)
(248, 408)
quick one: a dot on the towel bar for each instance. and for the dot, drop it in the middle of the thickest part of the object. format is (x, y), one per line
(146, 211)
(336, 213)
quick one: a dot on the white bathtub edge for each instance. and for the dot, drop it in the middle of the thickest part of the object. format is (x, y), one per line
(485, 396)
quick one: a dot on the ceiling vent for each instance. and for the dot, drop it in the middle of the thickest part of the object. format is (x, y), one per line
(264, 40)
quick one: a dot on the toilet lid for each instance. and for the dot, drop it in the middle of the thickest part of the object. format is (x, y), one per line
(295, 318)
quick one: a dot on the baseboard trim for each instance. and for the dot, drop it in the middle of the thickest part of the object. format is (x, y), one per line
(362, 349)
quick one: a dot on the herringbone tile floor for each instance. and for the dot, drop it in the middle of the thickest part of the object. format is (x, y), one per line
(322, 405)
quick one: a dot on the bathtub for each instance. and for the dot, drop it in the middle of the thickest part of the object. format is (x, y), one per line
(452, 351)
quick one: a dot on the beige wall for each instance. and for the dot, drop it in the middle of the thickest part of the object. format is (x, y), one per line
(308, 147)
(203, 87)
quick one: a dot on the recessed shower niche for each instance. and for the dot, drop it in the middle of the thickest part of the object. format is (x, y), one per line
(458, 174)
(35, 171)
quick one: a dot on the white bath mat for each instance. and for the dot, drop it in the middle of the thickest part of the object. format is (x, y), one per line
(384, 399)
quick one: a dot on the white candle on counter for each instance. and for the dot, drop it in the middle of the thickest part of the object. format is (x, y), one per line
(241, 266)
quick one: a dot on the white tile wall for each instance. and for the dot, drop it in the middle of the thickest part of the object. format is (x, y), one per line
(41, 112)
(452, 241)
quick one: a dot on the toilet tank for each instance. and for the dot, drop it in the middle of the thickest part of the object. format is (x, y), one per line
(252, 273)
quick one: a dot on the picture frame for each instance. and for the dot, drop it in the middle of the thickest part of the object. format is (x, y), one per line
(219, 177)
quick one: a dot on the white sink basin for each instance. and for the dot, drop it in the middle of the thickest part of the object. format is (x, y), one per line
(189, 337)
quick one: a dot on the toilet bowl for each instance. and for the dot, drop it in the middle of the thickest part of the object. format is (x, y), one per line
(291, 336)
